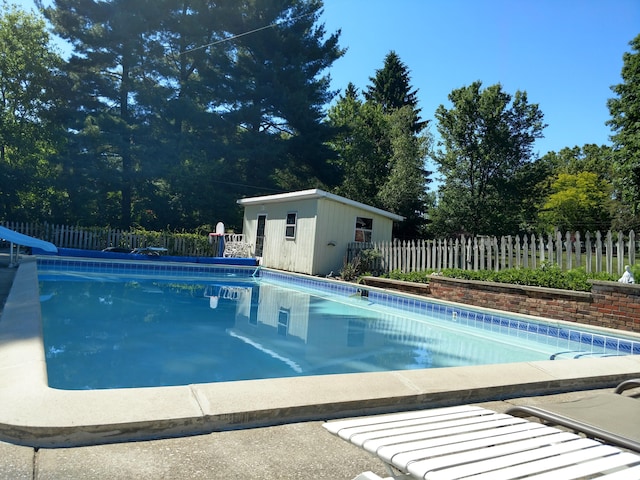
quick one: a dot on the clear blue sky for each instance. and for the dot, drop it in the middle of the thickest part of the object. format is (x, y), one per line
(566, 54)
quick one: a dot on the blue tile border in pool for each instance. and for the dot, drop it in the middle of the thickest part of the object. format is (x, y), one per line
(609, 345)
(335, 288)
(147, 268)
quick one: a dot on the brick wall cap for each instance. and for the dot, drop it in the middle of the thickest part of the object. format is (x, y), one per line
(617, 286)
(513, 287)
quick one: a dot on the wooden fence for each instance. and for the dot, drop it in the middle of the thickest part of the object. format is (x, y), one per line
(594, 252)
(65, 236)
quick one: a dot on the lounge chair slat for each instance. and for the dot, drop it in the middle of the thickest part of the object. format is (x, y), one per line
(335, 426)
(545, 468)
(410, 451)
(489, 460)
(393, 436)
(592, 467)
(459, 454)
(408, 426)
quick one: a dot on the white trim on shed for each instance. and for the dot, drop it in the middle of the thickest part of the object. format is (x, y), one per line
(316, 193)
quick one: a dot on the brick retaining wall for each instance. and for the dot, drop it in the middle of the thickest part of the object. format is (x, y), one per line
(609, 304)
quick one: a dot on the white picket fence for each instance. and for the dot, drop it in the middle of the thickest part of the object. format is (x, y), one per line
(97, 238)
(595, 252)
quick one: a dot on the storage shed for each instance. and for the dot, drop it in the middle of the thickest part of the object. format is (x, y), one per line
(308, 231)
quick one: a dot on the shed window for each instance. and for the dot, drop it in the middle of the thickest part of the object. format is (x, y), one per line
(364, 227)
(283, 321)
(290, 229)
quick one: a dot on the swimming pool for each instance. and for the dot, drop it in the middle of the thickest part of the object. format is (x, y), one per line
(34, 414)
(154, 325)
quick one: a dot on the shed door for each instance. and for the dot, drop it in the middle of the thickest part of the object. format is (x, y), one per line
(262, 221)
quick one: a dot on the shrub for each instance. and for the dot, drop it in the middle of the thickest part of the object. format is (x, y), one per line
(548, 275)
(369, 261)
(350, 270)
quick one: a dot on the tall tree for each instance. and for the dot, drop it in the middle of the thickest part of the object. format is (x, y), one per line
(405, 189)
(391, 89)
(108, 61)
(625, 123)
(280, 92)
(487, 137)
(180, 102)
(184, 105)
(29, 71)
(361, 145)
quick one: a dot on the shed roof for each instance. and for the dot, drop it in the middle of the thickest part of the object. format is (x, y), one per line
(316, 193)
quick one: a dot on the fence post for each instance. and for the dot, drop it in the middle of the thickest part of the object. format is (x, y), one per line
(588, 253)
(598, 252)
(609, 251)
(569, 248)
(620, 253)
(504, 248)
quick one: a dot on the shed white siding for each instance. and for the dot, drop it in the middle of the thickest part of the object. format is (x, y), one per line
(294, 255)
(336, 224)
(325, 225)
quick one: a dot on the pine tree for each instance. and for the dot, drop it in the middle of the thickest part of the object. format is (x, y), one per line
(362, 147)
(391, 89)
(107, 64)
(180, 107)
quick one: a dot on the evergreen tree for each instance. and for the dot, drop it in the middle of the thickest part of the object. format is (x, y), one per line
(391, 89)
(361, 145)
(179, 107)
(107, 64)
(405, 189)
(625, 123)
(279, 93)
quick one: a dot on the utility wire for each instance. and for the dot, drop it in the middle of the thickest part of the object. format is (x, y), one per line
(245, 33)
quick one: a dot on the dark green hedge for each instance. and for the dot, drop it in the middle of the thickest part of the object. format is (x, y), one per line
(546, 276)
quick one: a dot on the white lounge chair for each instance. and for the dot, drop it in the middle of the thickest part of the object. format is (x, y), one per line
(474, 442)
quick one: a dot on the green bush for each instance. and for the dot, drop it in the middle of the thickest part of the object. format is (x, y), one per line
(351, 270)
(548, 275)
(365, 263)
(416, 277)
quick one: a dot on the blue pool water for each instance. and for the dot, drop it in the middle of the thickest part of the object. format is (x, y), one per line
(110, 326)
